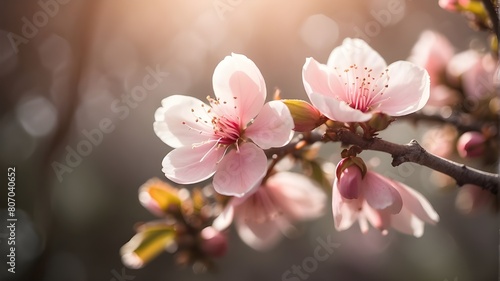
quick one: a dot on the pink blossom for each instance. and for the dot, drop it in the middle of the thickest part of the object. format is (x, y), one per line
(356, 82)
(380, 201)
(202, 135)
(262, 217)
(440, 140)
(453, 5)
(472, 198)
(433, 52)
(476, 72)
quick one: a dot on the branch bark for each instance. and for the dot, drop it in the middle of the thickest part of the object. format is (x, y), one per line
(413, 152)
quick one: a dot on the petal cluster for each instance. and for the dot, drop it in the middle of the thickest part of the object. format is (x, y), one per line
(262, 217)
(225, 137)
(356, 82)
(380, 201)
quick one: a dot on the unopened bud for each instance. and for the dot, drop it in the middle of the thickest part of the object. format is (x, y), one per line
(350, 161)
(305, 116)
(471, 144)
(380, 121)
(214, 242)
(159, 197)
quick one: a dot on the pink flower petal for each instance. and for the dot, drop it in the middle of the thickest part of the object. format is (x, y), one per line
(225, 218)
(345, 212)
(260, 235)
(175, 122)
(272, 127)
(356, 52)
(407, 223)
(432, 51)
(380, 193)
(298, 196)
(350, 183)
(186, 165)
(380, 219)
(240, 88)
(240, 171)
(407, 91)
(315, 77)
(338, 110)
(416, 203)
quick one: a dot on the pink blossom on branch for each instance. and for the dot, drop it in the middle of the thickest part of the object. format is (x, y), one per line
(380, 201)
(433, 52)
(227, 137)
(356, 82)
(262, 217)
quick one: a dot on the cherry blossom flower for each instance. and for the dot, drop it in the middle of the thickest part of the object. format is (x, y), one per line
(380, 201)
(476, 72)
(262, 217)
(227, 137)
(356, 82)
(433, 51)
(472, 198)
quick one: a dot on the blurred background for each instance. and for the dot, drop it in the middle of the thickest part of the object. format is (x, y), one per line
(82, 144)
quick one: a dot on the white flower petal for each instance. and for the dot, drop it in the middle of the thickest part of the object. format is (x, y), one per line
(345, 212)
(416, 203)
(407, 223)
(259, 235)
(186, 165)
(315, 77)
(240, 88)
(356, 52)
(338, 110)
(225, 218)
(175, 122)
(299, 196)
(272, 127)
(240, 171)
(408, 89)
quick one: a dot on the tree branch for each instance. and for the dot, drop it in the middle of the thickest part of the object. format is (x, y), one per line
(413, 152)
(462, 123)
(492, 12)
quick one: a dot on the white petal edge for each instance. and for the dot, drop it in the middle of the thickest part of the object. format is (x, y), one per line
(417, 203)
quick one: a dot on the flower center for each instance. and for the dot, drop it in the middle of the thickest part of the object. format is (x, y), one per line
(364, 90)
(226, 126)
(226, 130)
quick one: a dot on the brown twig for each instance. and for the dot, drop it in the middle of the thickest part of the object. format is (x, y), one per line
(413, 152)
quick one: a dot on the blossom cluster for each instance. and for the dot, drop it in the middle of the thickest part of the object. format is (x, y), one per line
(226, 138)
(248, 152)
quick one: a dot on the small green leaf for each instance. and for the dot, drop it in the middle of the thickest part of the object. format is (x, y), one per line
(151, 240)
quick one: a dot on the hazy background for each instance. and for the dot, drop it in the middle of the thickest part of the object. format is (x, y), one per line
(85, 56)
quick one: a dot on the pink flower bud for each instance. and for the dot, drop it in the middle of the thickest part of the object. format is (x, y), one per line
(214, 242)
(380, 121)
(471, 144)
